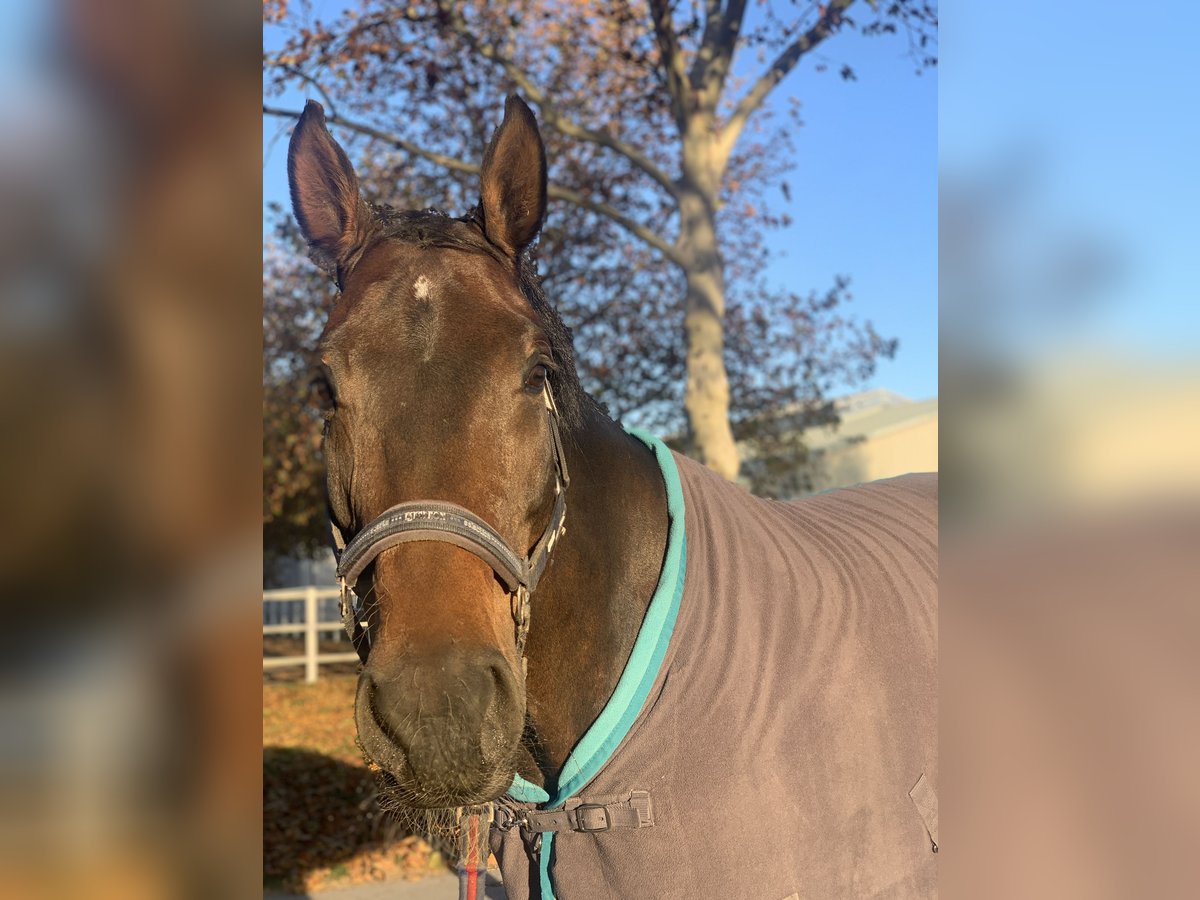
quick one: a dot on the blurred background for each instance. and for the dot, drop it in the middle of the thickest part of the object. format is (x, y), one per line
(1069, 333)
(141, 268)
(130, 341)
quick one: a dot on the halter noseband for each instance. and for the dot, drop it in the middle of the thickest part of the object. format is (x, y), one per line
(436, 520)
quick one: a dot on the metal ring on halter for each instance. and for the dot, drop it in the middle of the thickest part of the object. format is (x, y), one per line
(436, 520)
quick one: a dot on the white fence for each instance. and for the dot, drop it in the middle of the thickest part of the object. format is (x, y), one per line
(298, 611)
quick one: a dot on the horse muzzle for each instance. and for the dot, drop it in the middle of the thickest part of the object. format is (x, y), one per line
(445, 729)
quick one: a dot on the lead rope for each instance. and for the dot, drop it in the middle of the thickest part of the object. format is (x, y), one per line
(474, 830)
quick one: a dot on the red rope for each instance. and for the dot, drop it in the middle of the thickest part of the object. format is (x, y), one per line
(472, 860)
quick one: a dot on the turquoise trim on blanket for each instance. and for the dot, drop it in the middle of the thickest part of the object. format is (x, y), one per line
(526, 791)
(612, 725)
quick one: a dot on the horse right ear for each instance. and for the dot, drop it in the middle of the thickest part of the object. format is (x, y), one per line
(332, 216)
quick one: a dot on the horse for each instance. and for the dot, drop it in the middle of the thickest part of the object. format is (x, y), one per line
(635, 678)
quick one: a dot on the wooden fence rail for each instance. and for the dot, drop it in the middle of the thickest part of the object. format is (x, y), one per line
(310, 626)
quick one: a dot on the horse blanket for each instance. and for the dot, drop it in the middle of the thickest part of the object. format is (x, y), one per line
(777, 719)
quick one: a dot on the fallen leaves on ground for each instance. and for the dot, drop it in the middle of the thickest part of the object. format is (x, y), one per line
(322, 826)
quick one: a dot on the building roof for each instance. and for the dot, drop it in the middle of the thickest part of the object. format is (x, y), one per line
(870, 414)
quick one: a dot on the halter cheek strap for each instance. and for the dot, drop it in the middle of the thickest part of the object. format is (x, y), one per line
(435, 520)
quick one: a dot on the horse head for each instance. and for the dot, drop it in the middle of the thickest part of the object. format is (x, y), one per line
(438, 354)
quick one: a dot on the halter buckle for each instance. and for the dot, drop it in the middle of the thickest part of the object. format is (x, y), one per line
(520, 614)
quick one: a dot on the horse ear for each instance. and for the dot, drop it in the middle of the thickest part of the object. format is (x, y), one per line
(512, 187)
(324, 188)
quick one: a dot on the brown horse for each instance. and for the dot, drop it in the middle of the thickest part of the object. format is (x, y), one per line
(436, 352)
(647, 661)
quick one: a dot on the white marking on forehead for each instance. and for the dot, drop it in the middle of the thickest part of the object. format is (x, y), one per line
(426, 318)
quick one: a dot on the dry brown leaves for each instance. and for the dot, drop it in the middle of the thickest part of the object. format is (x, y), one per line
(322, 826)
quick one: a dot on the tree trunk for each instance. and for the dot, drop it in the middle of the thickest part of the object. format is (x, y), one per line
(706, 398)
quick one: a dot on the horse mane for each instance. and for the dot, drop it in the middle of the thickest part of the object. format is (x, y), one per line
(436, 228)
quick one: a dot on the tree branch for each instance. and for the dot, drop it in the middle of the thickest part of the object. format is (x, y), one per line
(672, 61)
(446, 162)
(295, 72)
(551, 115)
(635, 228)
(555, 191)
(721, 31)
(830, 19)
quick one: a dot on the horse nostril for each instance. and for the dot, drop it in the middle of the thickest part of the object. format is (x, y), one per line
(367, 702)
(488, 684)
(505, 680)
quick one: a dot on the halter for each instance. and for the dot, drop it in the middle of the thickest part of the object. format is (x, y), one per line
(436, 520)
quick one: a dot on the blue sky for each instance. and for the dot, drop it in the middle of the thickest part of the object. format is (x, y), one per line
(1104, 99)
(866, 170)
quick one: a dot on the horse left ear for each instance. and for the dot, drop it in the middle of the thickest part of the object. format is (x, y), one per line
(512, 187)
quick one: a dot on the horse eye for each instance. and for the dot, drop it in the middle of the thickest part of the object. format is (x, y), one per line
(536, 380)
(322, 394)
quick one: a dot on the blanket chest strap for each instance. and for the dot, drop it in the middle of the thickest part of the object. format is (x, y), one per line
(632, 811)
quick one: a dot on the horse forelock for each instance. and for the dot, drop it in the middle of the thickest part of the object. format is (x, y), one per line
(434, 228)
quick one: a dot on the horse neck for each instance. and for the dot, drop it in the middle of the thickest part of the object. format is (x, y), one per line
(587, 611)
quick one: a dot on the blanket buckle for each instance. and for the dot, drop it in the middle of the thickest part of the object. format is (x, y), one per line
(591, 818)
